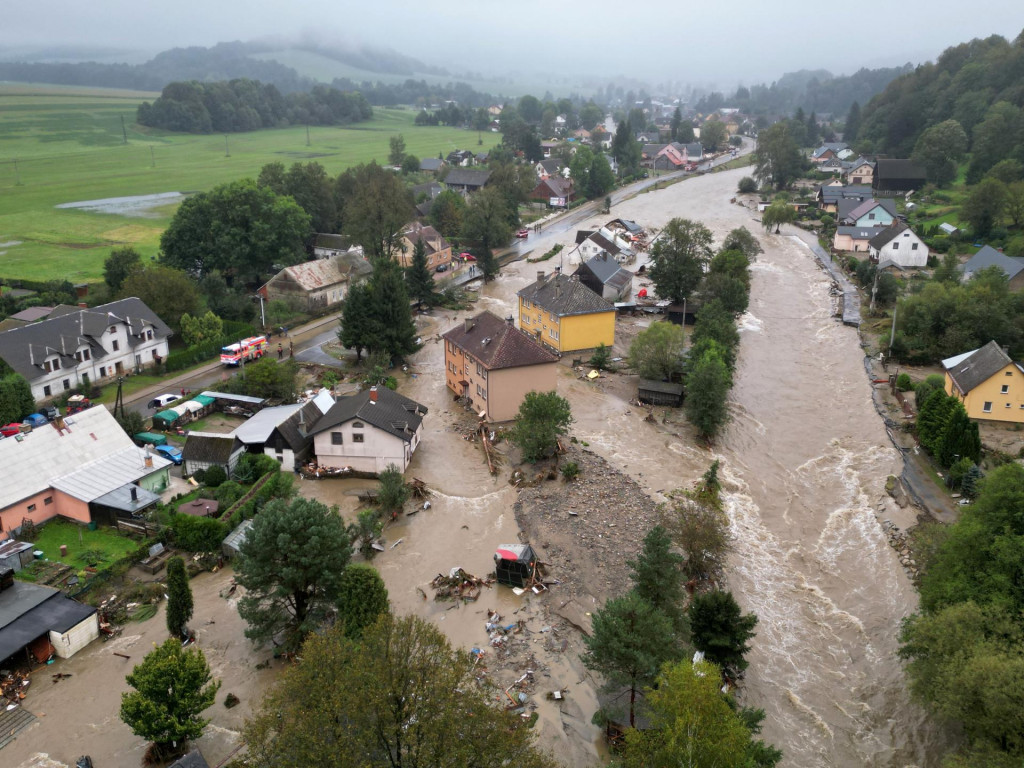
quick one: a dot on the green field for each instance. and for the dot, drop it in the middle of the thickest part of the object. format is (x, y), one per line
(63, 145)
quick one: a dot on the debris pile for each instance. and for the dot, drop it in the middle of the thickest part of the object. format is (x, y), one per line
(458, 585)
(499, 632)
(12, 688)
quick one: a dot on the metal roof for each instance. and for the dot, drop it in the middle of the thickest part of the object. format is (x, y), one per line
(45, 454)
(233, 398)
(29, 610)
(99, 477)
(121, 498)
(259, 427)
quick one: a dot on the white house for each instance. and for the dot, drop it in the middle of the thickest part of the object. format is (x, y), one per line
(283, 432)
(899, 245)
(369, 431)
(110, 340)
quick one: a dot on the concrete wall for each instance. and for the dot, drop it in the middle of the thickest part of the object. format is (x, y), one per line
(75, 639)
(1001, 406)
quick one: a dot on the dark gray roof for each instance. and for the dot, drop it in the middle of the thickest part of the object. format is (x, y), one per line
(830, 194)
(990, 257)
(628, 225)
(847, 205)
(29, 610)
(192, 760)
(664, 387)
(431, 164)
(886, 236)
(295, 429)
(552, 165)
(467, 177)
(393, 413)
(32, 314)
(608, 271)
(121, 498)
(68, 328)
(563, 295)
(431, 190)
(209, 448)
(583, 234)
(605, 244)
(336, 242)
(892, 168)
(497, 344)
(970, 370)
(858, 233)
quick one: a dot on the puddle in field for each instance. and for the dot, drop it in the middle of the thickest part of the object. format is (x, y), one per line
(140, 206)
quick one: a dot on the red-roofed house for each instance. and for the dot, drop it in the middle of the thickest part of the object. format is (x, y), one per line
(494, 364)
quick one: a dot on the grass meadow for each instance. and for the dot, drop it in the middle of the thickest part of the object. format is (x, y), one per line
(61, 145)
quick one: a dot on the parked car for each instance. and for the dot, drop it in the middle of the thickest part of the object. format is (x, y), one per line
(51, 412)
(9, 430)
(441, 268)
(522, 234)
(170, 452)
(161, 400)
(467, 256)
(36, 420)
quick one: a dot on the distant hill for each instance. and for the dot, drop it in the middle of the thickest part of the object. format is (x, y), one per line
(813, 90)
(979, 84)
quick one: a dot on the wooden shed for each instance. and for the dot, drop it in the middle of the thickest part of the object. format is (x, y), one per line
(659, 393)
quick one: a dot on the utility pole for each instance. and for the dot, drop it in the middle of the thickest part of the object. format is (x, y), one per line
(17, 174)
(227, 149)
(119, 400)
(307, 134)
(152, 157)
(124, 131)
(892, 334)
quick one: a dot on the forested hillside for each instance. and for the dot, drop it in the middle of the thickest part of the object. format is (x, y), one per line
(248, 105)
(979, 84)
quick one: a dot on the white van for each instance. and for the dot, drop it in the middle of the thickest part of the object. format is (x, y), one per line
(161, 400)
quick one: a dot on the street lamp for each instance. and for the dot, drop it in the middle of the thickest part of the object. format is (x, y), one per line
(263, 317)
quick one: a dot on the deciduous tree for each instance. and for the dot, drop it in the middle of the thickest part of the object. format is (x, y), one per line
(356, 330)
(447, 212)
(202, 328)
(778, 213)
(16, 400)
(118, 265)
(172, 686)
(742, 239)
(707, 394)
(713, 135)
(419, 704)
(377, 210)
(290, 565)
(486, 222)
(396, 150)
(542, 418)
(169, 292)
(777, 158)
(984, 206)
(679, 258)
(701, 531)
(657, 353)
(939, 149)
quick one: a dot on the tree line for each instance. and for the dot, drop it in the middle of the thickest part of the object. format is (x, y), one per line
(643, 641)
(247, 105)
(683, 264)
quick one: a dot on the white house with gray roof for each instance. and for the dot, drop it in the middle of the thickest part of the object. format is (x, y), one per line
(56, 354)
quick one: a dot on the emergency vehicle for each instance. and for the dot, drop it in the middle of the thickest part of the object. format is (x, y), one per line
(252, 348)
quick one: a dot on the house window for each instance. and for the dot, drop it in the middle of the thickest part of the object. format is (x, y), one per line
(46, 391)
(48, 501)
(526, 304)
(554, 334)
(1005, 389)
(1008, 373)
(82, 355)
(913, 246)
(31, 507)
(357, 437)
(67, 384)
(1007, 405)
(871, 216)
(895, 246)
(337, 438)
(112, 330)
(526, 320)
(481, 392)
(115, 345)
(357, 425)
(987, 408)
(480, 370)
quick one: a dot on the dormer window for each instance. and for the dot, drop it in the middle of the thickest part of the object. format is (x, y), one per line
(112, 330)
(83, 355)
(52, 364)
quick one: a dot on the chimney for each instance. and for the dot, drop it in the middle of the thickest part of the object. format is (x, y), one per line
(135, 494)
(510, 320)
(1006, 350)
(470, 322)
(540, 275)
(558, 289)
(373, 393)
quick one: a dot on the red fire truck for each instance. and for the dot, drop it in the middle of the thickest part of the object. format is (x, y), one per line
(252, 348)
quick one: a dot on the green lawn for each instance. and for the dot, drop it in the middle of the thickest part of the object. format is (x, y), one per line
(63, 145)
(103, 545)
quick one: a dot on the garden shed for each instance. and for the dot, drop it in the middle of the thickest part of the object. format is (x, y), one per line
(165, 419)
(515, 565)
(15, 554)
(232, 543)
(659, 393)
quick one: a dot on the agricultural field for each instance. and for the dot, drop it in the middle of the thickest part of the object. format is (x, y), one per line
(61, 145)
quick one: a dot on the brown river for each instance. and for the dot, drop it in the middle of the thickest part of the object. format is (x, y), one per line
(804, 464)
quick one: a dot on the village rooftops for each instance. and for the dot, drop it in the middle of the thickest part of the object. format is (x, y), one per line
(977, 366)
(467, 177)
(497, 344)
(563, 296)
(383, 408)
(887, 235)
(988, 256)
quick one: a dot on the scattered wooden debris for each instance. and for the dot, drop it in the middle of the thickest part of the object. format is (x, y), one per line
(458, 585)
(12, 688)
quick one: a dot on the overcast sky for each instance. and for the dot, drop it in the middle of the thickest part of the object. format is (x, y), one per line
(659, 40)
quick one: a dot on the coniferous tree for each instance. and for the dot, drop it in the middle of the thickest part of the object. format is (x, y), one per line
(658, 578)
(418, 277)
(393, 330)
(721, 630)
(356, 320)
(179, 597)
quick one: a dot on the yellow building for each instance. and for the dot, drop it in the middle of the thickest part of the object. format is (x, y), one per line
(988, 383)
(562, 313)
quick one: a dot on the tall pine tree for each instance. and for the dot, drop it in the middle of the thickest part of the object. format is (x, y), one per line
(417, 276)
(356, 330)
(392, 327)
(179, 597)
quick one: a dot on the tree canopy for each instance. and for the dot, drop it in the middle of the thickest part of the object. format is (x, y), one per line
(169, 292)
(679, 258)
(377, 210)
(399, 696)
(542, 418)
(291, 565)
(239, 228)
(657, 352)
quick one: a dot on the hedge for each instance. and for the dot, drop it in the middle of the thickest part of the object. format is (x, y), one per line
(198, 534)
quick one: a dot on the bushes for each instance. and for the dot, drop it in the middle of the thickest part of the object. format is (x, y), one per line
(198, 534)
(747, 185)
(215, 476)
(903, 383)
